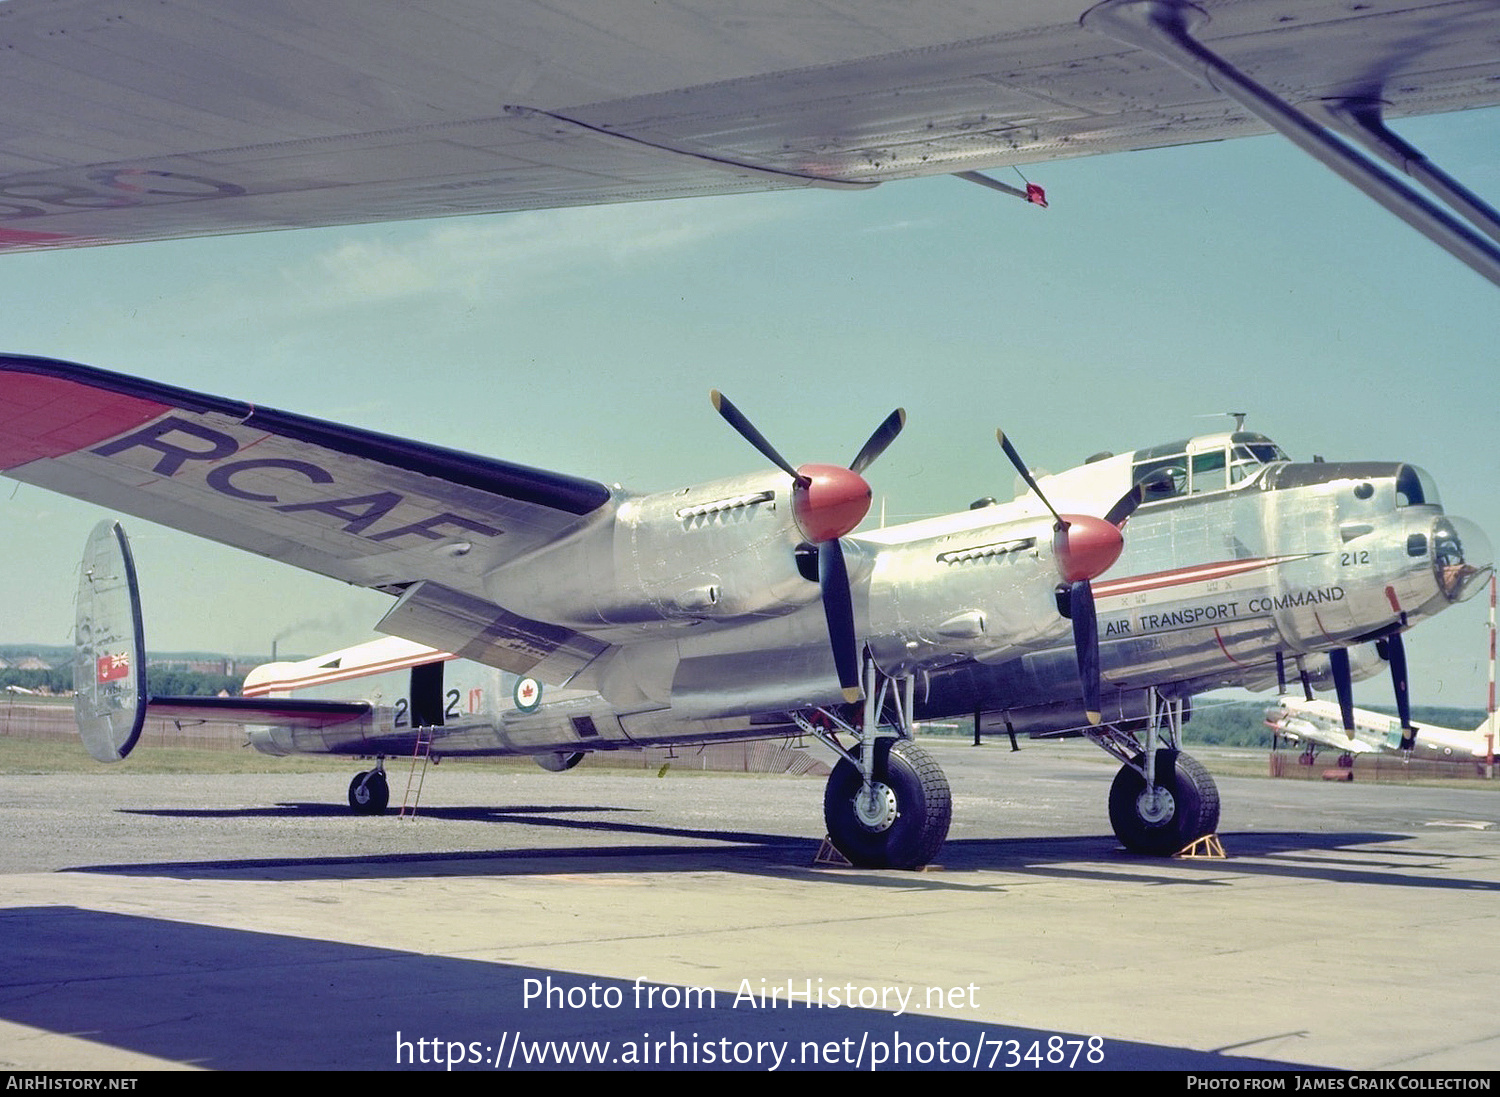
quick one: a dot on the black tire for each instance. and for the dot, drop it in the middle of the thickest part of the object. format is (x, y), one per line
(369, 794)
(923, 808)
(559, 761)
(1195, 806)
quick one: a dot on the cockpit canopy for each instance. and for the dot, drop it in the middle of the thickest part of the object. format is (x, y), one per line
(1212, 462)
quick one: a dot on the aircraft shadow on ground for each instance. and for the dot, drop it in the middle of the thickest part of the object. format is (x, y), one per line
(231, 999)
(1298, 855)
(304, 810)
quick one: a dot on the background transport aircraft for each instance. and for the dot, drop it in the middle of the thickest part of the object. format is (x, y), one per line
(1319, 724)
(745, 608)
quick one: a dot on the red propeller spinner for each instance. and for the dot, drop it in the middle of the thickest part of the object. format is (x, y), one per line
(1085, 546)
(828, 501)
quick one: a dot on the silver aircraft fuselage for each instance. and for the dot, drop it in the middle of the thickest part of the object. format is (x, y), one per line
(1237, 555)
(1243, 557)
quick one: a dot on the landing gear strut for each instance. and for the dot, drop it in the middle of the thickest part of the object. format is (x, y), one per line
(887, 804)
(368, 792)
(1162, 800)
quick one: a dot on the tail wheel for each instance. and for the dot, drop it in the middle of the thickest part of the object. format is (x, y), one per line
(1183, 807)
(904, 822)
(368, 793)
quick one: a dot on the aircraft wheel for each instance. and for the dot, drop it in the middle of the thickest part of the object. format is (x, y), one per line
(368, 793)
(905, 823)
(559, 761)
(1185, 806)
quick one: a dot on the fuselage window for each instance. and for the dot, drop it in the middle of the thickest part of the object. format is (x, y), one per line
(1167, 477)
(1208, 472)
(1246, 459)
(1414, 488)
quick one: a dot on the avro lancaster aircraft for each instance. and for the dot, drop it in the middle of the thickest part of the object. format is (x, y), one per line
(748, 608)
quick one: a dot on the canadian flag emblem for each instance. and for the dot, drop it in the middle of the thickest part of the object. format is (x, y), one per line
(111, 668)
(528, 693)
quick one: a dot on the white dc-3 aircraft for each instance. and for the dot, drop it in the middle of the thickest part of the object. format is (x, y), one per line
(746, 606)
(1318, 724)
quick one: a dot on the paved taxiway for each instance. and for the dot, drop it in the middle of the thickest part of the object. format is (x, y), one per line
(237, 922)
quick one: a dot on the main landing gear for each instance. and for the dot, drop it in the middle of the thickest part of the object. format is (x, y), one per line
(900, 818)
(1309, 757)
(887, 804)
(368, 792)
(1162, 800)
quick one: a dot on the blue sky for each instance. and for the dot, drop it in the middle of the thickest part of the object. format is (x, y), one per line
(1161, 288)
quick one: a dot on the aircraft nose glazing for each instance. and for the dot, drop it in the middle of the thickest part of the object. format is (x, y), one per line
(829, 501)
(1462, 557)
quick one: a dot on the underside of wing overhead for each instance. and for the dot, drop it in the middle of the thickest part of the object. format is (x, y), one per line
(133, 120)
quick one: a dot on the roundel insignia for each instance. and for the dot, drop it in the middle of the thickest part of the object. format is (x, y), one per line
(528, 694)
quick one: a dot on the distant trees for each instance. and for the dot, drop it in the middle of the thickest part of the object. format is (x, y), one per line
(1233, 724)
(56, 680)
(160, 681)
(1242, 723)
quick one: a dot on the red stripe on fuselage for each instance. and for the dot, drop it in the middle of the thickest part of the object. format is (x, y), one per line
(1198, 573)
(322, 676)
(48, 417)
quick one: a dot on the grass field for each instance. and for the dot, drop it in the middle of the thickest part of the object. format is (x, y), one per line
(23, 756)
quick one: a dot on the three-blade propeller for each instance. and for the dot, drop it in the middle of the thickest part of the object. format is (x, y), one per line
(1084, 547)
(827, 502)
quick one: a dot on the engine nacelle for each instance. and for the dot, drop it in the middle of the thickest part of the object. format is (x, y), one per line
(980, 594)
(714, 552)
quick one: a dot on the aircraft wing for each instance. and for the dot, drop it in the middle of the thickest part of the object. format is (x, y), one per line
(373, 510)
(282, 712)
(136, 120)
(1303, 729)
